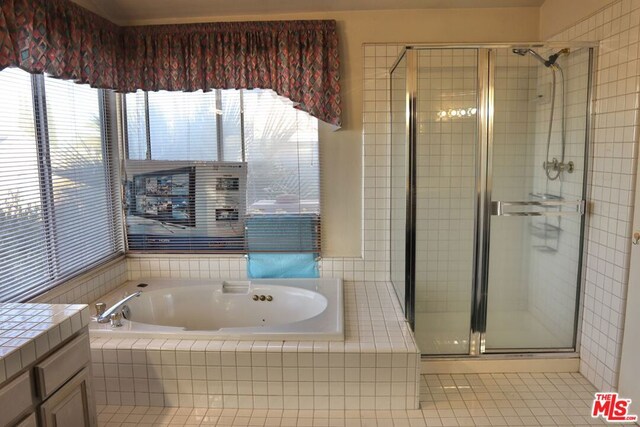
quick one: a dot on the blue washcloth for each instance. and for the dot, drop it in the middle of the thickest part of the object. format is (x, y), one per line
(282, 265)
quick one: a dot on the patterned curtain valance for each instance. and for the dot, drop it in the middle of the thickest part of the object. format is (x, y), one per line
(59, 38)
(297, 59)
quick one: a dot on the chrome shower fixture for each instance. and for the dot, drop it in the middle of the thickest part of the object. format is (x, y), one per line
(553, 168)
(550, 62)
(556, 166)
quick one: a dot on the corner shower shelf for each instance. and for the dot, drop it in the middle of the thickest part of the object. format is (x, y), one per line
(545, 196)
(545, 230)
(545, 249)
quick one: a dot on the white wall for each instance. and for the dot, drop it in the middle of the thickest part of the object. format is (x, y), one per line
(629, 374)
(558, 15)
(612, 176)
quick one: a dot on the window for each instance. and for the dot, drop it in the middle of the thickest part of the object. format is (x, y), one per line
(221, 171)
(178, 125)
(58, 215)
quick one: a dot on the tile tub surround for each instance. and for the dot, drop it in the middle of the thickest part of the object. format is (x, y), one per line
(28, 331)
(376, 367)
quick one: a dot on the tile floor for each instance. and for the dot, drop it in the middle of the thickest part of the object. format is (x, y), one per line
(535, 399)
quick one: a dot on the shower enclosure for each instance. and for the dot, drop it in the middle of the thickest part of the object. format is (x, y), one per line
(489, 152)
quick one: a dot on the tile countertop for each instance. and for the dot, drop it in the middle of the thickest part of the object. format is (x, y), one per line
(29, 331)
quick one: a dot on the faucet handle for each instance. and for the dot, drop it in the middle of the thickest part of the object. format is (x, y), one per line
(116, 319)
(100, 308)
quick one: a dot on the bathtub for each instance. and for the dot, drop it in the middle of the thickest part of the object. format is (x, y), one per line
(255, 310)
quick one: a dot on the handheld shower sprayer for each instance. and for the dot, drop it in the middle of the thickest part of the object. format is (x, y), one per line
(553, 58)
(555, 165)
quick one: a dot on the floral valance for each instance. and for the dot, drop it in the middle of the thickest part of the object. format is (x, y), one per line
(59, 38)
(296, 59)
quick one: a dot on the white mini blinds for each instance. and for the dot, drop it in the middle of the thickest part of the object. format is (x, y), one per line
(221, 171)
(58, 210)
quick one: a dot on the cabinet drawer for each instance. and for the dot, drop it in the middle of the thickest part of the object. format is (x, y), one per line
(15, 398)
(62, 365)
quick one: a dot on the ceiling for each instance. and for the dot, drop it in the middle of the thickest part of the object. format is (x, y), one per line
(126, 12)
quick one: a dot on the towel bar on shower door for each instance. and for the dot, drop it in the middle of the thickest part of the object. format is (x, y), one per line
(498, 208)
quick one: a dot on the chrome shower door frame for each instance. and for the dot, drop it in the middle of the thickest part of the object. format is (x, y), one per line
(483, 186)
(482, 221)
(411, 137)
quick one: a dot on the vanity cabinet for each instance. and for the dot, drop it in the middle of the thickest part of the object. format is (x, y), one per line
(54, 391)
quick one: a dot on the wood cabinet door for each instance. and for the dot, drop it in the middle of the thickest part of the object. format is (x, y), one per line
(29, 421)
(72, 405)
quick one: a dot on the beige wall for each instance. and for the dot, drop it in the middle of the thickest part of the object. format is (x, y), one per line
(558, 15)
(341, 151)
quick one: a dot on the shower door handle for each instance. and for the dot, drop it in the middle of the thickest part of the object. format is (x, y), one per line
(499, 208)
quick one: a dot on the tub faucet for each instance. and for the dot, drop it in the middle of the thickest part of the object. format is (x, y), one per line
(105, 317)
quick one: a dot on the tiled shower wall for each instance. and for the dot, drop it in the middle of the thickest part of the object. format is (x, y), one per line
(617, 27)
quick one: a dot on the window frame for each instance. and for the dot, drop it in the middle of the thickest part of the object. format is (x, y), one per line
(219, 146)
(219, 142)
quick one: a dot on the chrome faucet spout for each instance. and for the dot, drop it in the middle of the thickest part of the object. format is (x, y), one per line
(106, 316)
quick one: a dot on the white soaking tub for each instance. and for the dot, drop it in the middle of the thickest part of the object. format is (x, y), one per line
(256, 310)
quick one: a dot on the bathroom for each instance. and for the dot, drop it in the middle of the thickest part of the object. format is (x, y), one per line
(384, 213)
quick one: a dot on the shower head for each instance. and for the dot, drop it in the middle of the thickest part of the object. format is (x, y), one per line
(521, 52)
(549, 63)
(524, 52)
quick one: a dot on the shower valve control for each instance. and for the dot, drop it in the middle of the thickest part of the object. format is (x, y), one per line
(558, 166)
(636, 238)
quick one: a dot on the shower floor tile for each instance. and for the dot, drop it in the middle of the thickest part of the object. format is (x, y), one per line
(533, 399)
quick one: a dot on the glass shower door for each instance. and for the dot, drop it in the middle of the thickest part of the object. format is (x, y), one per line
(537, 163)
(445, 197)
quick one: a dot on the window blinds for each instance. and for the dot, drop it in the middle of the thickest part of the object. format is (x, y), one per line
(24, 260)
(57, 213)
(221, 171)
